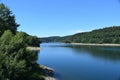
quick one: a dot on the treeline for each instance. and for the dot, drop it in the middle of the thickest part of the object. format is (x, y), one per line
(105, 35)
(7, 22)
(31, 40)
(16, 61)
(50, 39)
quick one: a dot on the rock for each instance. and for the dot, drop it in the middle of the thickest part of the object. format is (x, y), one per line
(49, 72)
(50, 78)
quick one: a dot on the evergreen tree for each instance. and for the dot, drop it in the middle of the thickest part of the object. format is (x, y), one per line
(7, 20)
(16, 62)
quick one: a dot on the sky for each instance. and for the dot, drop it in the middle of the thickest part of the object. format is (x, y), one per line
(45, 18)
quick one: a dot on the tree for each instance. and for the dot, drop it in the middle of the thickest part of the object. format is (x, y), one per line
(33, 41)
(13, 63)
(105, 35)
(7, 20)
(16, 62)
(30, 40)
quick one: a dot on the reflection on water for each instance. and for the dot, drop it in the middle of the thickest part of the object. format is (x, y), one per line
(108, 53)
(81, 62)
(103, 52)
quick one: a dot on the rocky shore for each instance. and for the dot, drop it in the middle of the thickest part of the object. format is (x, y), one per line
(50, 78)
(49, 72)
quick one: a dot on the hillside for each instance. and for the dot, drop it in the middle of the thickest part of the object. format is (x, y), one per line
(105, 35)
(50, 39)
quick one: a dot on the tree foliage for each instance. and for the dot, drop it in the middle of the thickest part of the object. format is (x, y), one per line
(7, 20)
(13, 64)
(16, 63)
(31, 40)
(50, 39)
(105, 35)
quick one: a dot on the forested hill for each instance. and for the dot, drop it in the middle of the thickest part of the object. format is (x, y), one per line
(105, 35)
(50, 39)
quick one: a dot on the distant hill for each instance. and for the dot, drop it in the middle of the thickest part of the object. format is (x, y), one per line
(105, 35)
(50, 39)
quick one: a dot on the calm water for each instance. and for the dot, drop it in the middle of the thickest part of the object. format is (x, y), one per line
(81, 62)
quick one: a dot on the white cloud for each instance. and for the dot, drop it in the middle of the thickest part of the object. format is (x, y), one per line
(79, 31)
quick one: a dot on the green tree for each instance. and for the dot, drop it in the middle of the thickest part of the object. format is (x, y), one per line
(30, 40)
(16, 62)
(33, 41)
(7, 20)
(105, 35)
(13, 64)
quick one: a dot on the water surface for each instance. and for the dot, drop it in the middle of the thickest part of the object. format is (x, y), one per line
(81, 62)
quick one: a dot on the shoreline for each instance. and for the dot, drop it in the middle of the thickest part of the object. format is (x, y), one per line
(49, 72)
(90, 44)
(33, 48)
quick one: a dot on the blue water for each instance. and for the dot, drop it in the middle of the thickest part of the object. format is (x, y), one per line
(81, 62)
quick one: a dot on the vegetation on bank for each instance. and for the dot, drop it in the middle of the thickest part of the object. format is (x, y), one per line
(16, 62)
(105, 35)
(31, 40)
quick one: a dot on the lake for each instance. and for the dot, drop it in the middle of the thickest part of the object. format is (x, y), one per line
(81, 62)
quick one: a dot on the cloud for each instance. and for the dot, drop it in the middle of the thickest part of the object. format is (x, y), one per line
(79, 31)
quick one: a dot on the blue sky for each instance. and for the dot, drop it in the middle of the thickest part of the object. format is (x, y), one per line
(64, 17)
